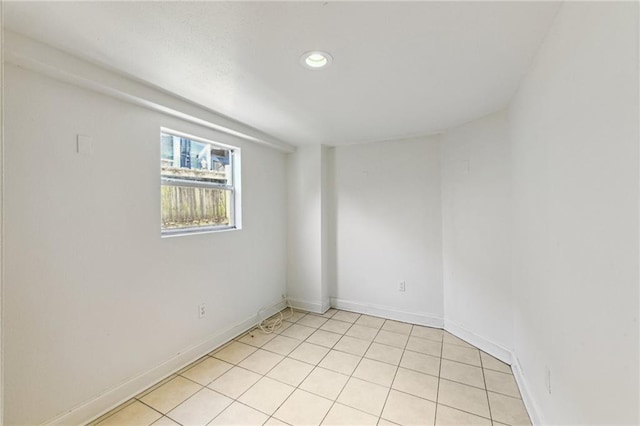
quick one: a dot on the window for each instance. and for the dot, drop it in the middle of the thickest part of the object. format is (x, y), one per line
(200, 188)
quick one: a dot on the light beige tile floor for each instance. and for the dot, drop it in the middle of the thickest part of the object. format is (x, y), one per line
(340, 368)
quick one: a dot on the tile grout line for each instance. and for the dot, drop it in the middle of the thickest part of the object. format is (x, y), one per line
(265, 375)
(384, 405)
(397, 366)
(199, 390)
(356, 367)
(486, 391)
(314, 366)
(349, 377)
(111, 413)
(379, 343)
(195, 363)
(181, 402)
(179, 374)
(161, 413)
(435, 414)
(361, 358)
(138, 397)
(210, 355)
(269, 416)
(312, 370)
(455, 381)
(444, 405)
(296, 387)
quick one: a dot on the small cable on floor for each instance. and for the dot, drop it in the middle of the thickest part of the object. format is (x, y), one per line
(270, 325)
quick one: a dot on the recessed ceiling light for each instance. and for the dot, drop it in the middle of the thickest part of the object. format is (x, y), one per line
(316, 60)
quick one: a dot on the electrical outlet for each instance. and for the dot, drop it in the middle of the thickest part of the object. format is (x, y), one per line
(202, 311)
(402, 286)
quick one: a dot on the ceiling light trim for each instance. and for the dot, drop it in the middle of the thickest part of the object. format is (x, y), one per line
(316, 60)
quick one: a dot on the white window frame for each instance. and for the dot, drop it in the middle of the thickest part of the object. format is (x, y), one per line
(235, 188)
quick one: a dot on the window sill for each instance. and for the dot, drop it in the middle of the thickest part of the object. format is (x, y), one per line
(197, 231)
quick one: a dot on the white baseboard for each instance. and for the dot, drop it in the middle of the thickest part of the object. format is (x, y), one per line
(389, 313)
(498, 351)
(306, 305)
(529, 402)
(110, 399)
(490, 347)
(103, 403)
(504, 355)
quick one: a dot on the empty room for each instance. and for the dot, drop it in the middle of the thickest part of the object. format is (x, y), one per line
(320, 213)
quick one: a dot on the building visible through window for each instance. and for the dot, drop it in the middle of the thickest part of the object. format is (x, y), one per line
(200, 184)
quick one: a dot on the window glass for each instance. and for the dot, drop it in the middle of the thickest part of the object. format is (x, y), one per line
(198, 188)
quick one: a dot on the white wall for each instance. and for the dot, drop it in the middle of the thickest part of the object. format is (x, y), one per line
(82, 296)
(575, 168)
(93, 295)
(388, 229)
(2, 41)
(327, 221)
(309, 203)
(304, 272)
(476, 230)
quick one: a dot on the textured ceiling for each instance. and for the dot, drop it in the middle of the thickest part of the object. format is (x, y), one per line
(400, 69)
